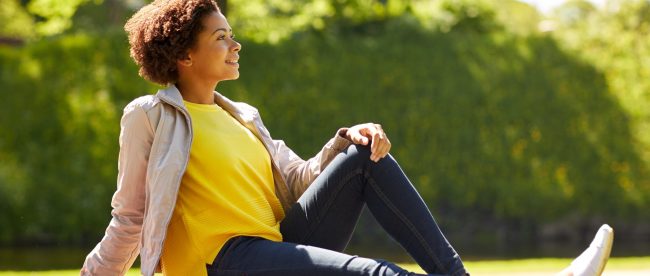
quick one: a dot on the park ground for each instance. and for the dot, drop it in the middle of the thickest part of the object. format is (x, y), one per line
(628, 266)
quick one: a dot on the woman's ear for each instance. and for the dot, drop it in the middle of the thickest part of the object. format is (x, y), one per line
(185, 60)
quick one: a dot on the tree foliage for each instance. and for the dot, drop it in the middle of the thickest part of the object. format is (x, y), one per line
(16, 22)
(496, 123)
(615, 39)
(55, 16)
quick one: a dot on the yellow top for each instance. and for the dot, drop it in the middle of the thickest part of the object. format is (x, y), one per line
(226, 191)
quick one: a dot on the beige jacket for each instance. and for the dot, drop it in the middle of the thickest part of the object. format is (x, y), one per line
(155, 141)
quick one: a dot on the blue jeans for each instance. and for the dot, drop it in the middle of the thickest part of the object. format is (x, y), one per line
(319, 226)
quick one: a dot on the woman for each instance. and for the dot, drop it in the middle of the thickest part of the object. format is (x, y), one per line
(204, 190)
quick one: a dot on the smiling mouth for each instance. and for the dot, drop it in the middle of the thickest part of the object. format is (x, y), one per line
(232, 61)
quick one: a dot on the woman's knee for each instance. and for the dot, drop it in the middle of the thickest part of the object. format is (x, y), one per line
(361, 154)
(358, 153)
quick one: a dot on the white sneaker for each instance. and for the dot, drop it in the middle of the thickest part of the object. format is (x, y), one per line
(593, 260)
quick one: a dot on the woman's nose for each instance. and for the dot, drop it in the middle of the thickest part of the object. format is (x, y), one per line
(236, 47)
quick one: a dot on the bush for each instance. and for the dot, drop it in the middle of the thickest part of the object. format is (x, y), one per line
(489, 126)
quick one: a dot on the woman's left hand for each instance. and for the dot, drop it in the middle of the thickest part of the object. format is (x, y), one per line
(370, 133)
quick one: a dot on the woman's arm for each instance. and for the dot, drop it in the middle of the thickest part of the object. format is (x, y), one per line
(299, 174)
(120, 246)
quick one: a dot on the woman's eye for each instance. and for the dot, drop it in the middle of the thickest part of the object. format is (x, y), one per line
(222, 37)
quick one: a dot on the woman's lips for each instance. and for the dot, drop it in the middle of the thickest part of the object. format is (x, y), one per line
(232, 62)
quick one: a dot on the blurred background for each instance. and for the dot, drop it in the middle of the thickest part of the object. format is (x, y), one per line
(525, 125)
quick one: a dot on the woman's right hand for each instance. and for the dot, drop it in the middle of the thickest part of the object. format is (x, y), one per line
(372, 134)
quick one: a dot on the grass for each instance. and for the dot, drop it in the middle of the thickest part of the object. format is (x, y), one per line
(548, 266)
(528, 266)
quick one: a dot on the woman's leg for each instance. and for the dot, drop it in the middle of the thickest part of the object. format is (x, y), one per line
(326, 214)
(259, 257)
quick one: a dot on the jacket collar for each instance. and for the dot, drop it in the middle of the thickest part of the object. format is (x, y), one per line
(173, 96)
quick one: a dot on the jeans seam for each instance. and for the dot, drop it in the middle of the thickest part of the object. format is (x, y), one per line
(408, 224)
(330, 201)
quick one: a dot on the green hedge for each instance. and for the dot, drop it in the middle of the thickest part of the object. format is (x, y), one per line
(62, 101)
(489, 126)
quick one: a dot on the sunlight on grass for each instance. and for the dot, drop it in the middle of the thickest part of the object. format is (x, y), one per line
(526, 265)
(546, 265)
(132, 272)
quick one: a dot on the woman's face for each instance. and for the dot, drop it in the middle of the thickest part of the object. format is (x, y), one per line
(214, 56)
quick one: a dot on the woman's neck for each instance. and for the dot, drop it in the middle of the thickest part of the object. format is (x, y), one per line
(196, 91)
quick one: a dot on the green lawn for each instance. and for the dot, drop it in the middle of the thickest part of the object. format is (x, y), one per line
(546, 265)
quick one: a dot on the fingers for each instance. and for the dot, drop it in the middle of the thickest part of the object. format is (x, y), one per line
(376, 141)
(372, 134)
(383, 147)
(380, 145)
(358, 138)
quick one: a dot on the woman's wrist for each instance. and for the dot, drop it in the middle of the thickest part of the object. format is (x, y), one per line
(343, 133)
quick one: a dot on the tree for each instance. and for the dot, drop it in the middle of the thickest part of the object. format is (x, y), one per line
(18, 24)
(573, 12)
(53, 16)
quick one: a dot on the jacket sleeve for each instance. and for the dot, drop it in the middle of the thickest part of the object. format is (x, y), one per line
(120, 246)
(298, 173)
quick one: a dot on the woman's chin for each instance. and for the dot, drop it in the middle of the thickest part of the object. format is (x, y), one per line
(233, 77)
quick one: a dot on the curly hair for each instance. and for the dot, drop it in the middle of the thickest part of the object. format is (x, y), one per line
(161, 33)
